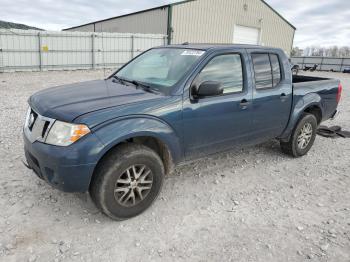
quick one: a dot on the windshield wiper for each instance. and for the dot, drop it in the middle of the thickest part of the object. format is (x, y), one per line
(123, 81)
(137, 84)
(120, 80)
(145, 87)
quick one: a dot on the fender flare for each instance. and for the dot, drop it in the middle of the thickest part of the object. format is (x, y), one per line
(116, 131)
(309, 100)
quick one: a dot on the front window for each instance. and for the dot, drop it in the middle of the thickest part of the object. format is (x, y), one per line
(226, 69)
(160, 68)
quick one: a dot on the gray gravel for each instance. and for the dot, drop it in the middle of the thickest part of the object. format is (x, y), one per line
(252, 204)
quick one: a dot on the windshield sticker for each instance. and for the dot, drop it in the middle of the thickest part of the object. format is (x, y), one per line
(193, 52)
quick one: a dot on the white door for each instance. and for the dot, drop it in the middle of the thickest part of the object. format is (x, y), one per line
(246, 35)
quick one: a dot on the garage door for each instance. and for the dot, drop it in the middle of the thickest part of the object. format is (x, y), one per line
(246, 35)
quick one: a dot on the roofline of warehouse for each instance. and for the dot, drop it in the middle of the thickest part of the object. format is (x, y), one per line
(162, 7)
(134, 13)
(120, 16)
(285, 20)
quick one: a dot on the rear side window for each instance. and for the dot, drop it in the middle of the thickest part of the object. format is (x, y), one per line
(267, 70)
(226, 69)
(262, 70)
(276, 70)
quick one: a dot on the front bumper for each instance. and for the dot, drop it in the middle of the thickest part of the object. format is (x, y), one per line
(68, 169)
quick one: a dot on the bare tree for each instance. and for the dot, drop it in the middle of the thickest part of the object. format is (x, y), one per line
(333, 51)
(296, 51)
(344, 51)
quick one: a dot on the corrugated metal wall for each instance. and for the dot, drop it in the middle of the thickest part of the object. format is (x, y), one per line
(151, 22)
(207, 21)
(324, 63)
(22, 50)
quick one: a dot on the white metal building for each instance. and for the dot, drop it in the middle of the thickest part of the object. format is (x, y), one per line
(205, 21)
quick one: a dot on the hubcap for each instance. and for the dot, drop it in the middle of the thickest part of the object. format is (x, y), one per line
(133, 185)
(305, 135)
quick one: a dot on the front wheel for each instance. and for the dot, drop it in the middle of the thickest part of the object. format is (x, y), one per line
(302, 138)
(127, 181)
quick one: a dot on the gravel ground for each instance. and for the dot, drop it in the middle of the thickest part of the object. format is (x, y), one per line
(251, 204)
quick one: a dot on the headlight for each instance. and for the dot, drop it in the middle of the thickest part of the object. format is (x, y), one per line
(65, 134)
(26, 121)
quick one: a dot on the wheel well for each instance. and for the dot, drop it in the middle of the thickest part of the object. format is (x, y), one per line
(159, 147)
(316, 111)
(153, 143)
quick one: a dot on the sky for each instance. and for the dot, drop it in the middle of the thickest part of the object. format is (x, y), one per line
(318, 22)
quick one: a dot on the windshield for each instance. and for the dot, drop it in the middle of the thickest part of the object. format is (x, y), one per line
(160, 68)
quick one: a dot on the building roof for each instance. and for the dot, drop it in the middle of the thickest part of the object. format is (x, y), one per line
(165, 6)
(278, 14)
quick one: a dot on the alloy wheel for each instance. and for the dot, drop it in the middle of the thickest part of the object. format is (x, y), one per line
(305, 136)
(133, 186)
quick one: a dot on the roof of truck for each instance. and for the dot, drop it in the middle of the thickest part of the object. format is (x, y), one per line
(218, 46)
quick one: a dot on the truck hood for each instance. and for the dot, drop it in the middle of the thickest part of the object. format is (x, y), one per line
(68, 102)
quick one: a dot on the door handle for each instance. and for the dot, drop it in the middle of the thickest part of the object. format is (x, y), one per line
(244, 103)
(283, 97)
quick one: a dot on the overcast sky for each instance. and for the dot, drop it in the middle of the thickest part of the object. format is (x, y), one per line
(318, 22)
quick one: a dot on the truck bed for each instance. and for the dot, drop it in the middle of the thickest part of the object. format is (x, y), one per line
(301, 79)
(314, 84)
(326, 89)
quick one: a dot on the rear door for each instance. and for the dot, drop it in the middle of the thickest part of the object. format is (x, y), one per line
(213, 124)
(272, 94)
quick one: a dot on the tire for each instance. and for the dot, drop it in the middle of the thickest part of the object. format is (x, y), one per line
(292, 147)
(116, 175)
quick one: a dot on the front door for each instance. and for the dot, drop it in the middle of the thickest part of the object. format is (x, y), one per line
(213, 124)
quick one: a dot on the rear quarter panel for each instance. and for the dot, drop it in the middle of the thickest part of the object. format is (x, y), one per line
(323, 92)
(316, 93)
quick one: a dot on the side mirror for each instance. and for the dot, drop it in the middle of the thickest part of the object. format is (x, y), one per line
(208, 88)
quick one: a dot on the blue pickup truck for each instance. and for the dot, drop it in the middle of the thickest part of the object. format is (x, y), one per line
(117, 138)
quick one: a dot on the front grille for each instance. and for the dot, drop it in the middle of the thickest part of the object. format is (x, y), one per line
(37, 126)
(45, 129)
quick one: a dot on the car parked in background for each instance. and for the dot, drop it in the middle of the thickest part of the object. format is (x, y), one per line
(117, 138)
(346, 69)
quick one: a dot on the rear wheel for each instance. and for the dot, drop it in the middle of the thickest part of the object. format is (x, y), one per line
(127, 181)
(302, 138)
